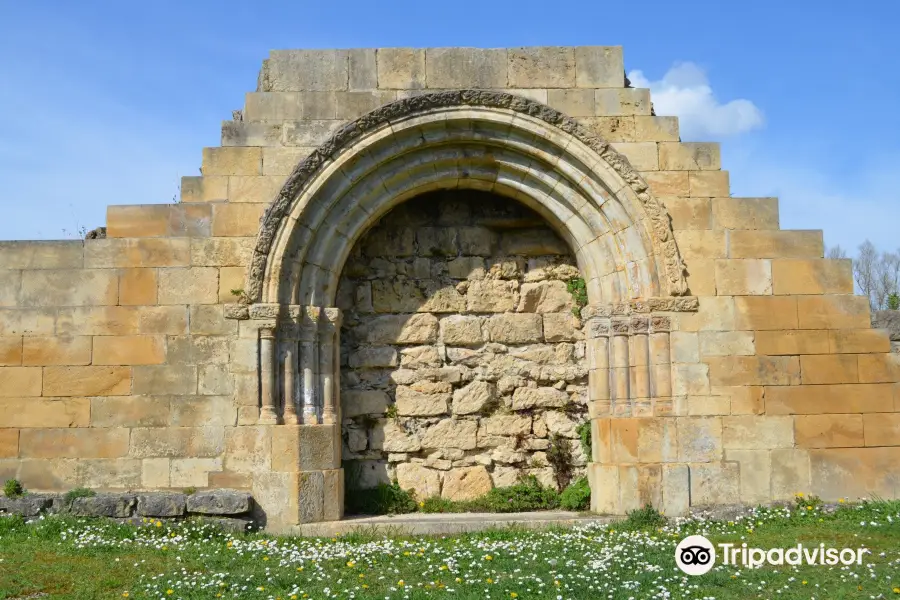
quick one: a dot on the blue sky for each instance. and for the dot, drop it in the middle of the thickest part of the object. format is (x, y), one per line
(112, 102)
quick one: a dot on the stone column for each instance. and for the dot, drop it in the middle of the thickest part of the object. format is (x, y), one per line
(289, 362)
(621, 368)
(660, 365)
(597, 347)
(639, 363)
(329, 326)
(309, 364)
(267, 413)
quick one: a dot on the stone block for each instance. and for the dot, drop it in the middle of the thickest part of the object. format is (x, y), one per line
(261, 189)
(296, 70)
(139, 252)
(414, 403)
(211, 188)
(109, 473)
(129, 411)
(73, 443)
(305, 447)
(599, 67)
(312, 496)
(562, 327)
(248, 449)
(689, 213)
(715, 484)
(87, 381)
(402, 329)
(275, 107)
(464, 68)
(853, 472)
(177, 442)
(466, 483)
(525, 398)
(152, 380)
(473, 398)
(193, 472)
(84, 287)
(879, 368)
(643, 156)
(709, 184)
(460, 330)
(492, 295)
(352, 105)
(701, 244)
(26, 506)
(690, 379)
(372, 357)
(282, 161)
(549, 67)
(9, 443)
(815, 399)
(363, 402)
(129, 350)
(685, 347)
(161, 505)
(574, 103)
(829, 368)
(10, 286)
(754, 370)
(775, 244)
(233, 160)
(604, 482)
(137, 287)
(45, 412)
(790, 473)
(699, 438)
(766, 313)
(201, 411)
(237, 220)
(726, 343)
(812, 276)
(858, 341)
(246, 135)
(881, 429)
(833, 312)
(226, 479)
(532, 242)
(750, 432)
(169, 320)
(544, 297)
(117, 506)
(612, 129)
(745, 213)
(363, 69)
(423, 482)
(689, 156)
(475, 241)
(148, 220)
(42, 351)
(155, 473)
(656, 129)
(42, 254)
(755, 468)
(219, 502)
(194, 285)
(828, 431)
(11, 348)
(515, 328)
(451, 433)
(792, 342)
(505, 425)
(744, 277)
(676, 490)
(401, 68)
(623, 102)
(210, 320)
(17, 322)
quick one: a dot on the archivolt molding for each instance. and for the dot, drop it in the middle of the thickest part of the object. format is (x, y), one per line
(665, 247)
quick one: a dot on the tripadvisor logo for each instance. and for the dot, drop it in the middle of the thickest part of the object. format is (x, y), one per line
(696, 555)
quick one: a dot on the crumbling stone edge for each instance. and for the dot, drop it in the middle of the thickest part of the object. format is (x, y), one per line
(660, 222)
(230, 510)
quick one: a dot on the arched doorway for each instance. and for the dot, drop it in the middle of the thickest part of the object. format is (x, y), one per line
(471, 140)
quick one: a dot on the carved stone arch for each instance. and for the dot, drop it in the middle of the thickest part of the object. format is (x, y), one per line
(493, 141)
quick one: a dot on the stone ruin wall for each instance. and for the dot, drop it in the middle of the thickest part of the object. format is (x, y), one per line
(492, 358)
(121, 369)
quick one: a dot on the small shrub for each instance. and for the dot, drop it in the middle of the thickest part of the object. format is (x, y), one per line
(559, 455)
(436, 504)
(893, 302)
(391, 412)
(190, 491)
(382, 500)
(578, 289)
(528, 494)
(78, 493)
(644, 518)
(804, 503)
(13, 489)
(238, 292)
(577, 496)
(584, 434)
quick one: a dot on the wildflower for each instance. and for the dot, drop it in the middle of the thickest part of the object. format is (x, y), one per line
(804, 582)
(490, 580)
(159, 523)
(170, 592)
(840, 500)
(350, 563)
(809, 508)
(799, 494)
(124, 594)
(488, 557)
(364, 586)
(401, 583)
(513, 595)
(896, 590)
(458, 580)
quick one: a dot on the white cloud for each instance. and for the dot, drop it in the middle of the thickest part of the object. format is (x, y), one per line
(684, 91)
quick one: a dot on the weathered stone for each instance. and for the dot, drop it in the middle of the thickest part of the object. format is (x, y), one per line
(545, 397)
(414, 403)
(451, 433)
(362, 402)
(544, 297)
(466, 484)
(560, 424)
(219, 502)
(474, 397)
(103, 505)
(402, 329)
(424, 482)
(26, 506)
(491, 295)
(515, 328)
(374, 356)
(161, 505)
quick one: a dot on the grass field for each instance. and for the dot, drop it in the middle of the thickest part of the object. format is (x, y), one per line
(67, 558)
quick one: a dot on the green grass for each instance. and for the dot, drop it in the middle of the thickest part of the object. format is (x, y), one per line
(68, 558)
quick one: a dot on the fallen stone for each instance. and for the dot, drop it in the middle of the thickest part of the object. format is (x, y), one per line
(219, 502)
(161, 505)
(103, 505)
(26, 506)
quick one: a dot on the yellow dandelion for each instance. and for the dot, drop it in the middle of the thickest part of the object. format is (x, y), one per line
(556, 583)
(362, 575)
(489, 580)
(804, 582)
(896, 590)
(165, 548)
(333, 539)
(458, 580)
(513, 595)
(840, 500)
(799, 494)
(365, 587)
(124, 594)
(170, 592)
(809, 508)
(443, 567)
(299, 568)
(159, 523)
(350, 563)
(401, 583)
(859, 588)
(265, 558)
(421, 504)
(488, 557)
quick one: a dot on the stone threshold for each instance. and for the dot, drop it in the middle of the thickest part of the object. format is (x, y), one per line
(441, 523)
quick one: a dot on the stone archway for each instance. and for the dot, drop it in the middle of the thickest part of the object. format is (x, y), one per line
(621, 237)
